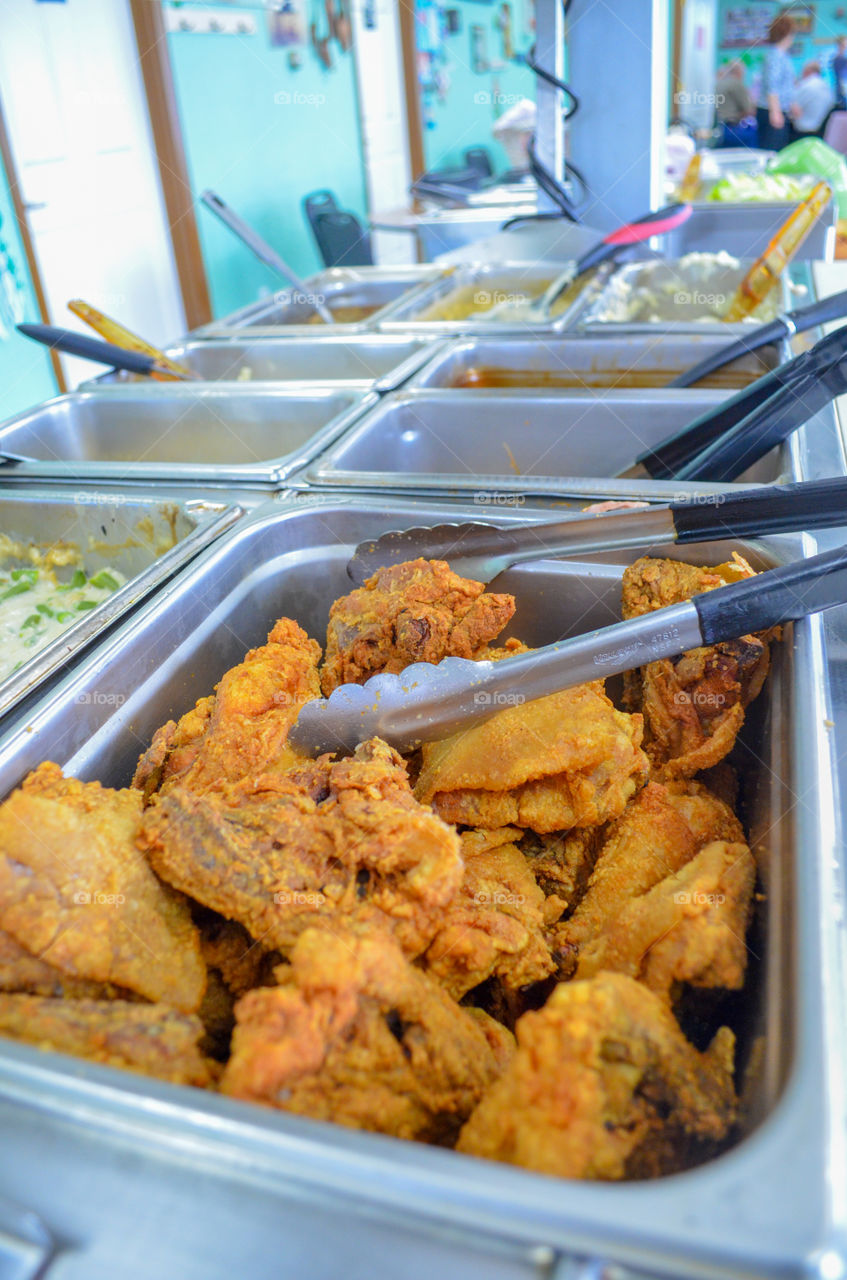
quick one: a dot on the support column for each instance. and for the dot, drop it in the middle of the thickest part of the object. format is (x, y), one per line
(618, 68)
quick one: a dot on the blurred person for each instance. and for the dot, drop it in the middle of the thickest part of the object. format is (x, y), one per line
(777, 91)
(839, 73)
(734, 108)
(813, 101)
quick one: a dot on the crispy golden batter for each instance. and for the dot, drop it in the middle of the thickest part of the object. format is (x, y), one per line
(419, 611)
(76, 892)
(495, 923)
(150, 1038)
(567, 760)
(561, 863)
(669, 897)
(356, 1034)
(693, 705)
(242, 731)
(342, 839)
(602, 1069)
(25, 973)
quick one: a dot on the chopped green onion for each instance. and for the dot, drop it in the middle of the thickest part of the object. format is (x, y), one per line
(78, 580)
(16, 590)
(84, 605)
(46, 610)
(103, 581)
(34, 620)
(63, 616)
(30, 574)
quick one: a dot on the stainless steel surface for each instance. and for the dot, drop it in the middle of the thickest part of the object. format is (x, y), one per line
(289, 311)
(477, 285)
(503, 446)
(427, 702)
(360, 361)
(691, 299)
(590, 361)
(174, 433)
(146, 538)
(746, 230)
(768, 1207)
(482, 551)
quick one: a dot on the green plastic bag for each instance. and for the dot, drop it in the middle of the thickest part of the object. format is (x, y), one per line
(812, 155)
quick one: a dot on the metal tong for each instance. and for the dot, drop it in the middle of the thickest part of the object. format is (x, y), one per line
(262, 250)
(427, 702)
(482, 551)
(722, 443)
(784, 326)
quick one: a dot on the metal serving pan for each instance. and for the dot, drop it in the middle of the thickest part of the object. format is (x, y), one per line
(440, 308)
(747, 229)
(170, 432)
(374, 289)
(507, 446)
(769, 1206)
(145, 538)
(687, 299)
(581, 362)
(367, 361)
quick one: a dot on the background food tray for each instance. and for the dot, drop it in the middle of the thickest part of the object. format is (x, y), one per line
(171, 433)
(578, 361)
(145, 538)
(258, 1177)
(509, 443)
(359, 361)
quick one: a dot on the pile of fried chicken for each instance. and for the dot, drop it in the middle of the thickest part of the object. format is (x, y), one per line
(517, 942)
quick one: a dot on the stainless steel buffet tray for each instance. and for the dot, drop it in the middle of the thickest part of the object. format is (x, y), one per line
(506, 446)
(583, 362)
(746, 230)
(768, 1207)
(362, 361)
(688, 299)
(170, 432)
(145, 537)
(290, 312)
(481, 287)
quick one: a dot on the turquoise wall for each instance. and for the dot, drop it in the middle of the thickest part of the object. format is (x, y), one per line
(820, 44)
(262, 136)
(463, 115)
(26, 374)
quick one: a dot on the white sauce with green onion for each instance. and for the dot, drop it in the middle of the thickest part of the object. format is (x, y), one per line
(35, 608)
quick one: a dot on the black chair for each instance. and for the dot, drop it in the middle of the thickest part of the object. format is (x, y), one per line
(316, 203)
(341, 240)
(479, 159)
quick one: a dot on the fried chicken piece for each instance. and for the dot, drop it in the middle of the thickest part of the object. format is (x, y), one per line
(567, 760)
(150, 1038)
(235, 964)
(602, 1070)
(76, 893)
(341, 839)
(22, 972)
(669, 898)
(694, 704)
(242, 731)
(357, 1035)
(419, 611)
(561, 863)
(495, 923)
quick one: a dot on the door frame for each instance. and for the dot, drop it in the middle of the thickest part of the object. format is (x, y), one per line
(159, 91)
(26, 239)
